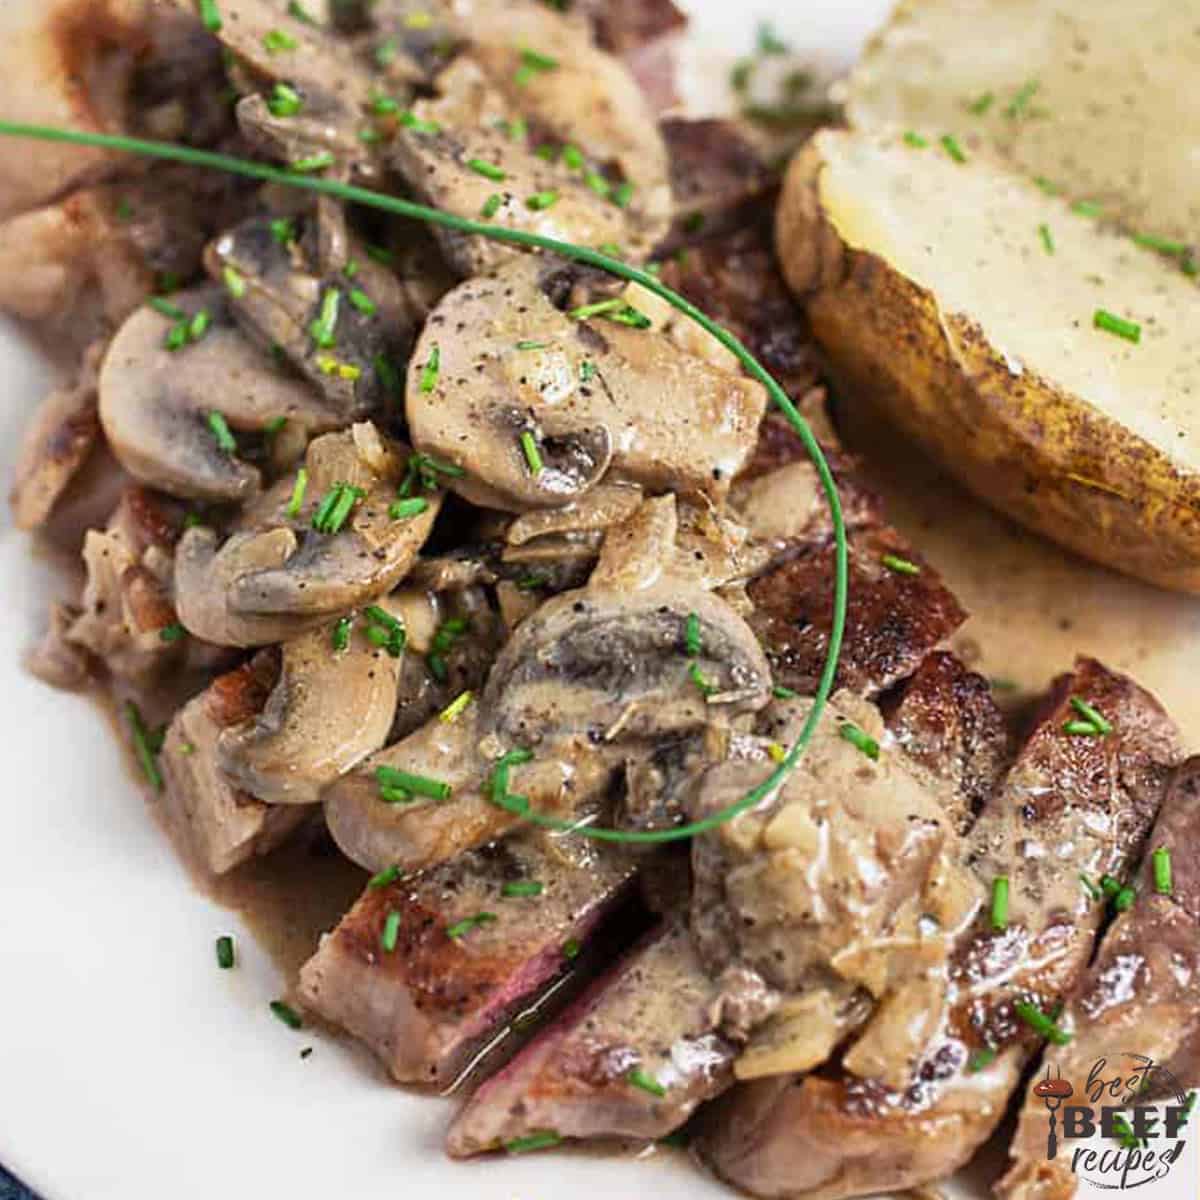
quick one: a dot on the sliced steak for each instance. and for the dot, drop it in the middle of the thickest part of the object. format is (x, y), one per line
(1139, 995)
(1070, 804)
(946, 721)
(219, 825)
(457, 974)
(894, 619)
(642, 33)
(718, 177)
(642, 1029)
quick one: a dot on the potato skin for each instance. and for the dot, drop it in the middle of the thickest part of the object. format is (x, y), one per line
(1042, 455)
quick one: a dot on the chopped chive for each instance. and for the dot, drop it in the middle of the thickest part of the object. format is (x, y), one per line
(491, 206)
(199, 325)
(981, 1058)
(640, 1079)
(703, 685)
(313, 163)
(388, 375)
(769, 42)
(540, 201)
(283, 230)
(385, 52)
(597, 183)
(297, 500)
(1125, 899)
(210, 15)
(530, 345)
(901, 566)
(598, 309)
(416, 124)
(543, 1139)
(235, 285)
(166, 309)
(226, 442)
(225, 954)
(952, 147)
(274, 426)
(336, 507)
(285, 101)
(392, 635)
(587, 371)
(437, 667)
(297, 10)
(1081, 729)
(391, 933)
(533, 455)
(1131, 331)
(1091, 889)
(547, 153)
(532, 581)
(981, 104)
(363, 302)
(521, 888)
(1020, 102)
(177, 338)
(276, 41)
(429, 373)
(572, 157)
(341, 634)
(383, 105)
(1110, 886)
(534, 61)
(1047, 237)
(691, 635)
(1087, 208)
(571, 949)
(1041, 1024)
(418, 785)
(776, 752)
(487, 170)
(463, 927)
(849, 732)
(324, 327)
(172, 633)
(142, 747)
(405, 510)
(1000, 903)
(287, 1014)
(623, 195)
(391, 795)
(1162, 245)
(1161, 858)
(783, 693)
(455, 708)
(913, 138)
(1091, 714)
(498, 784)
(385, 878)
(1047, 185)
(381, 255)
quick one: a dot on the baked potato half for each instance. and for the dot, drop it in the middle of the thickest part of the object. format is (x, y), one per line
(993, 323)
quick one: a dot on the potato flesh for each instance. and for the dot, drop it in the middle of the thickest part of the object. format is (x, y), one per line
(1114, 116)
(970, 235)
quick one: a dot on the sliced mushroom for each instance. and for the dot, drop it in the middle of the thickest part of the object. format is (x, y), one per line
(57, 660)
(276, 577)
(611, 665)
(155, 403)
(460, 153)
(57, 443)
(603, 507)
(279, 297)
(597, 397)
(330, 709)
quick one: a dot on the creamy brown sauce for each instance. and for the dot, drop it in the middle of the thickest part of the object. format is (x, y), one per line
(1033, 605)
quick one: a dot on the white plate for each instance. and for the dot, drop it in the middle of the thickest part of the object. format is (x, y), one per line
(132, 1069)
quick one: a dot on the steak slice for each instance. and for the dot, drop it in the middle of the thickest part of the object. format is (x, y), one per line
(894, 617)
(718, 177)
(1139, 995)
(427, 1006)
(644, 1027)
(1070, 805)
(946, 721)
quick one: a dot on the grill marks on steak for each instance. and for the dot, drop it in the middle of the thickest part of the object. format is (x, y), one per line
(1069, 805)
(1140, 995)
(426, 1007)
(650, 1014)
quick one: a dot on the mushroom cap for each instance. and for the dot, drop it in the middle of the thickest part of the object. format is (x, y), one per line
(154, 403)
(509, 362)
